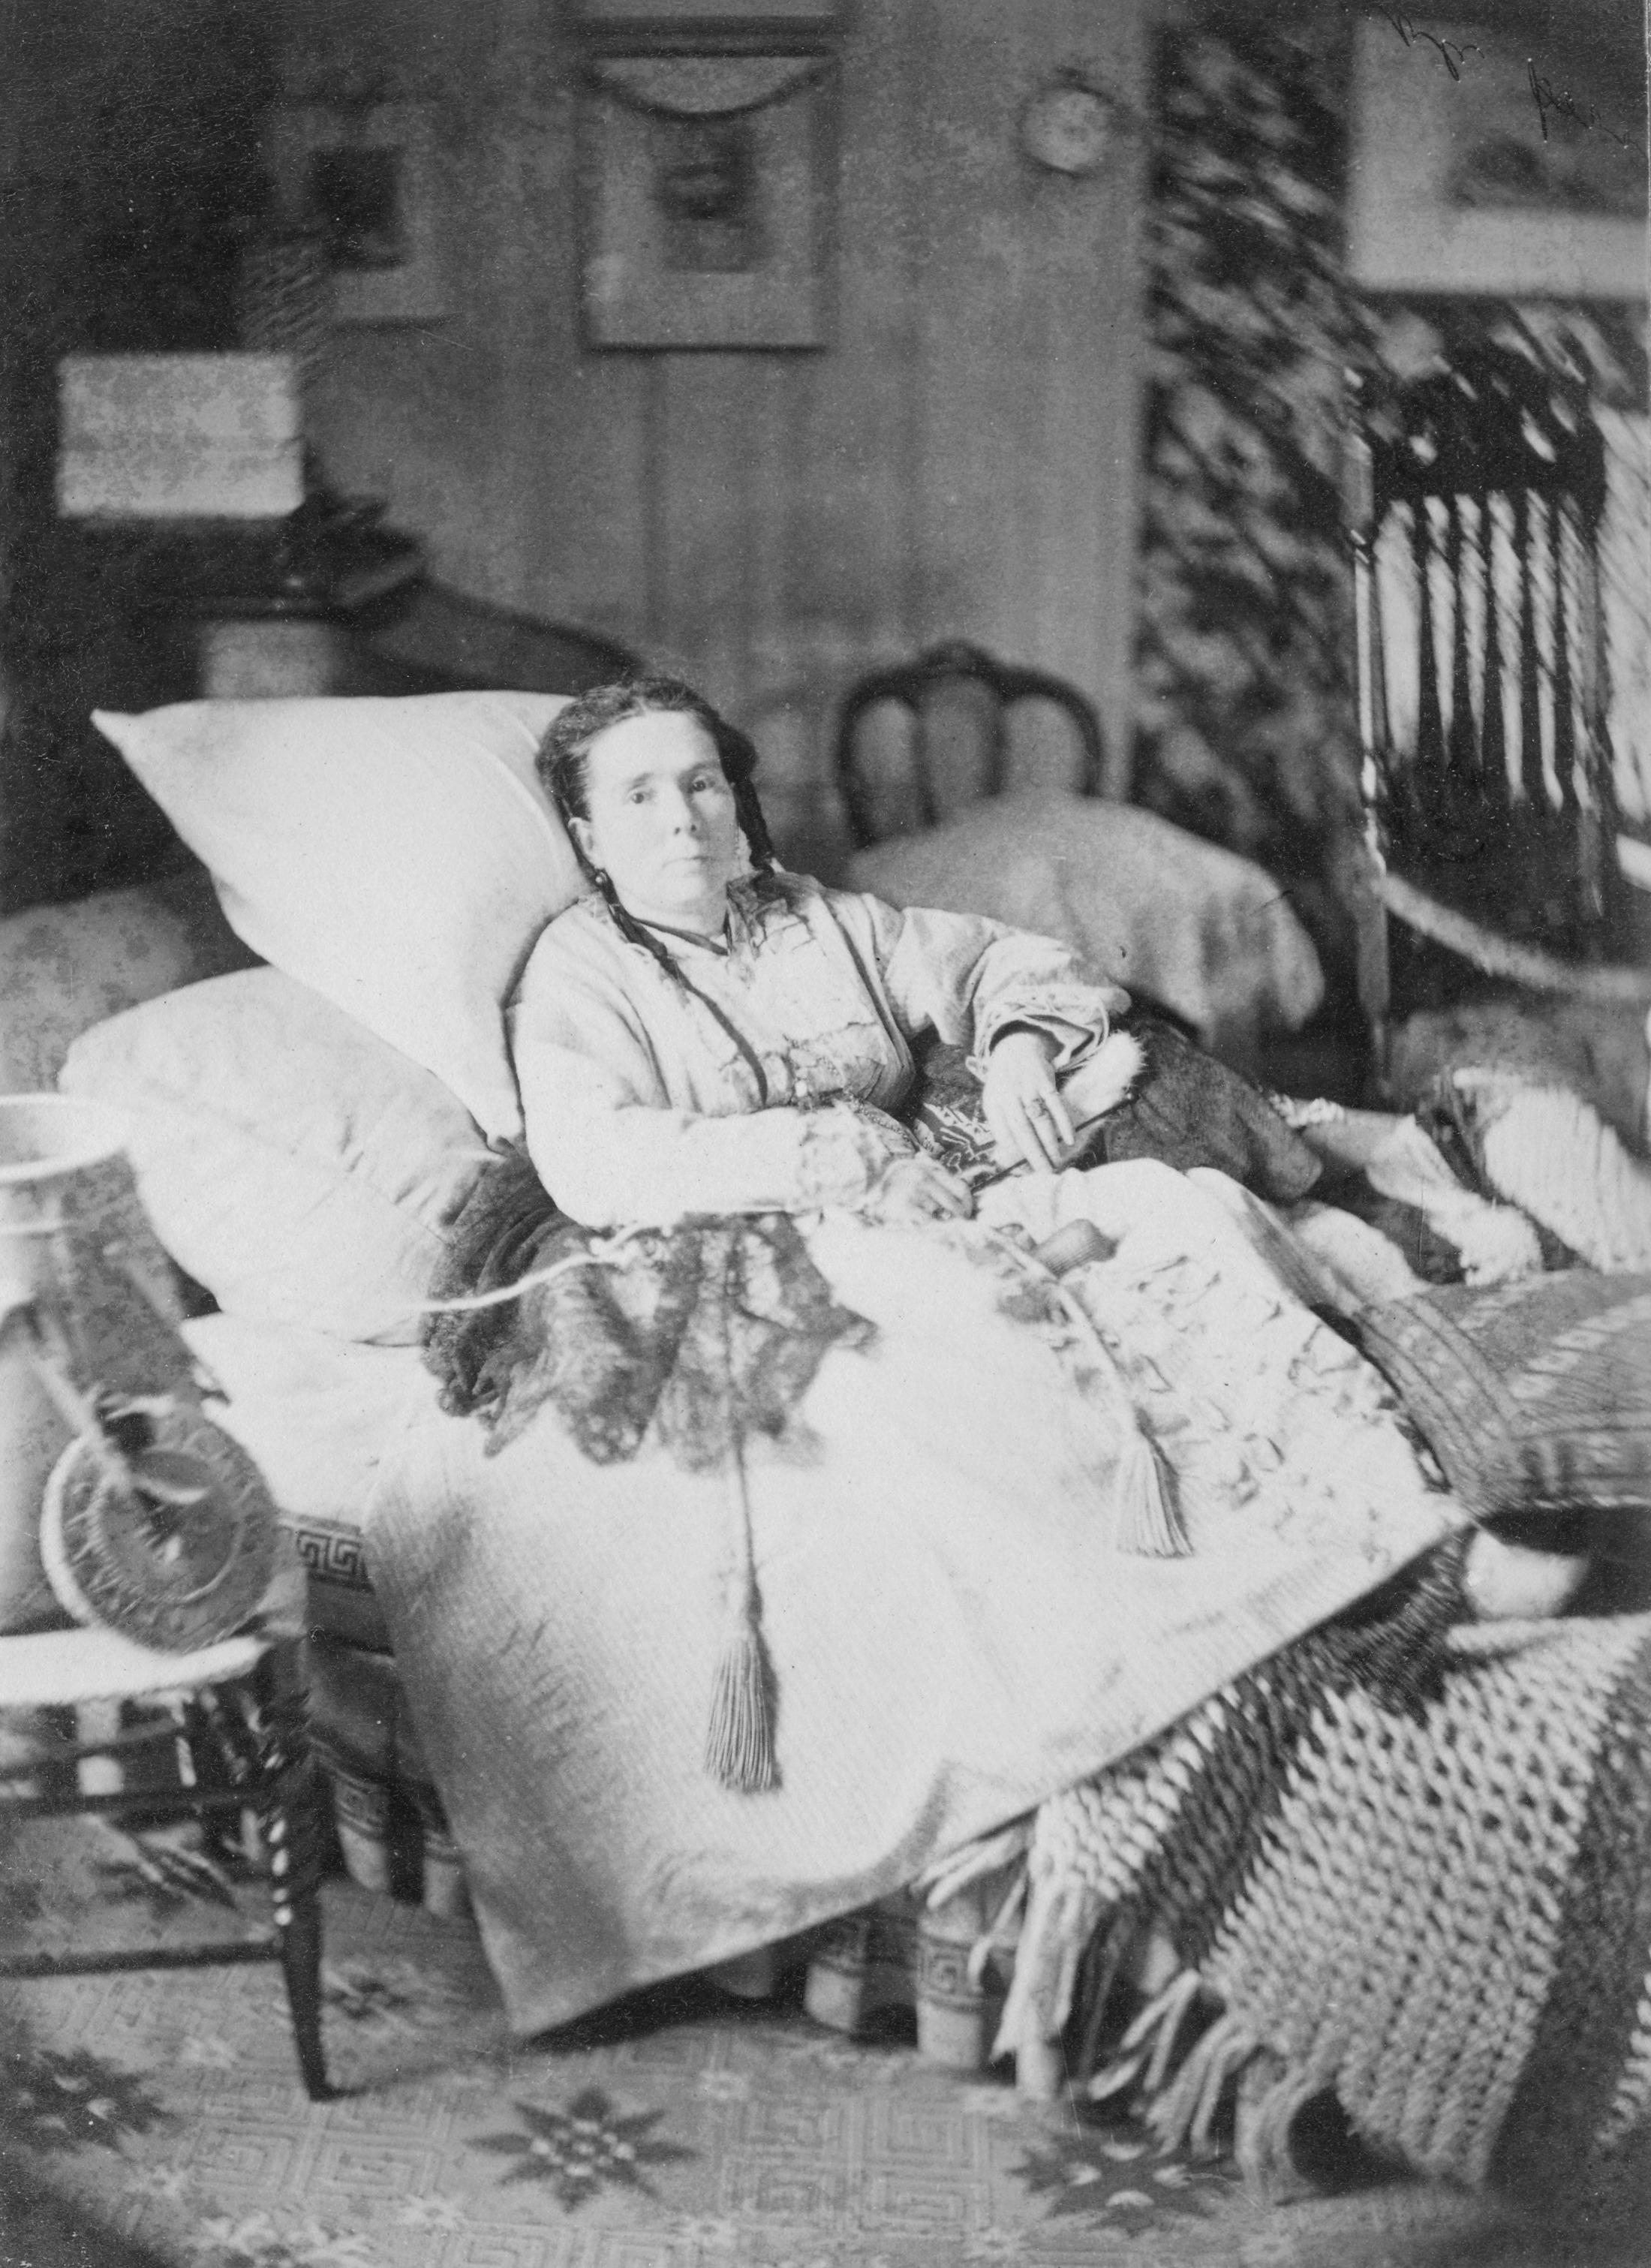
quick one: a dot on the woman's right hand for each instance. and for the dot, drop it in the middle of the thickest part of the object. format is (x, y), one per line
(915, 1189)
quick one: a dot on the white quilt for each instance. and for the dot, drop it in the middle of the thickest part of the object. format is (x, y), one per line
(954, 1630)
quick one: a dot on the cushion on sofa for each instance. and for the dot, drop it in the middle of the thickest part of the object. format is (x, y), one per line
(1195, 928)
(293, 1164)
(65, 967)
(1535, 1395)
(395, 855)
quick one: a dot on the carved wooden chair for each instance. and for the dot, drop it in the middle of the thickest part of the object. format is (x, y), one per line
(1488, 769)
(957, 701)
(206, 1736)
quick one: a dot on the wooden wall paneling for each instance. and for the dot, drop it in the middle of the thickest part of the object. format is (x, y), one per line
(851, 426)
(594, 501)
(780, 702)
(970, 360)
(505, 241)
(780, 390)
(704, 463)
(598, 528)
(579, 483)
(1030, 357)
(1089, 437)
(1023, 285)
(504, 235)
(856, 440)
(418, 417)
(956, 460)
(414, 413)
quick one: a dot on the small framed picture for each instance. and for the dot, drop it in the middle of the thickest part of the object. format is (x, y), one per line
(364, 181)
(705, 197)
(1479, 167)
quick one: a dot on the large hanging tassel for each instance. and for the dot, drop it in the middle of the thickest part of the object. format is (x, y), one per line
(1147, 1521)
(740, 1738)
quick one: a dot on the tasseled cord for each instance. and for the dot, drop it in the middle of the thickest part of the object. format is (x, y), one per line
(740, 1738)
(1147, 1522)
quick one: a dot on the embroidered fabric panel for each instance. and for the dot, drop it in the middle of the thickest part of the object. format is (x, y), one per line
(1536, 1396)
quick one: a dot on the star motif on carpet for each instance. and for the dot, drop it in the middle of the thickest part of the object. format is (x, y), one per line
(392, 1993)
(258, 2241)
(52, 2100)
(1105, 2176)
(582, 2149)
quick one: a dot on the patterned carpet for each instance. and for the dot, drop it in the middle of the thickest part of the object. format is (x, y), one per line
(155, 2120)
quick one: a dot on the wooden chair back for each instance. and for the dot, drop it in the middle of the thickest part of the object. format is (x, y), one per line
(1488, 773)
(954, 705)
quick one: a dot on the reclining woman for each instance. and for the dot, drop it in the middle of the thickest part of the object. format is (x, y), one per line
(796, 1420)
(726, 1075)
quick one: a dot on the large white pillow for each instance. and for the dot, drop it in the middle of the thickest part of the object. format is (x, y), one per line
(396, 854)
(290, 1162)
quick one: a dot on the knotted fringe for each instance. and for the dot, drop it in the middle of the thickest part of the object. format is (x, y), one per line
(740, 1737)
(1182, 2096)
(1146, 1520)
(1181, 2109)
(947, 1878)
(999, 1935)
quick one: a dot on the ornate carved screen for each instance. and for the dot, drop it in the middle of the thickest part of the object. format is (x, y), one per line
(1483, 685)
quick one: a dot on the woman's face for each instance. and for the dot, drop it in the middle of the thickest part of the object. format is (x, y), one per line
(661, 819)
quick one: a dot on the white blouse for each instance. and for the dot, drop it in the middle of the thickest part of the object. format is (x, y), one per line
(646, 1101)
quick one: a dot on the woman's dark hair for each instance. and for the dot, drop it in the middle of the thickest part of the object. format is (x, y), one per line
(563, 762)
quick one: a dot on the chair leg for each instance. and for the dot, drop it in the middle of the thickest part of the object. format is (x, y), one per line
(301, 1966)
(292, 1831)
(288, 1798)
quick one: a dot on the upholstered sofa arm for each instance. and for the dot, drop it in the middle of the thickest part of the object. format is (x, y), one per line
(64, 967)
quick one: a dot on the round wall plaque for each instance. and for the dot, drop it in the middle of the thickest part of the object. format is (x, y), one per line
(1067, 126)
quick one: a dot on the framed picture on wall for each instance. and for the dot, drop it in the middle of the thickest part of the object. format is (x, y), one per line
(705, 199)
(1481, 168)
(363, 179)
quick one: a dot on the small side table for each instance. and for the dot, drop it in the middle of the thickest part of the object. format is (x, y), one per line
(244, 610)
(275, 612)
(236, 1718)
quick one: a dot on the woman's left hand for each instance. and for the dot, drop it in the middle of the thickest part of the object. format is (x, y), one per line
(1022, 1104)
